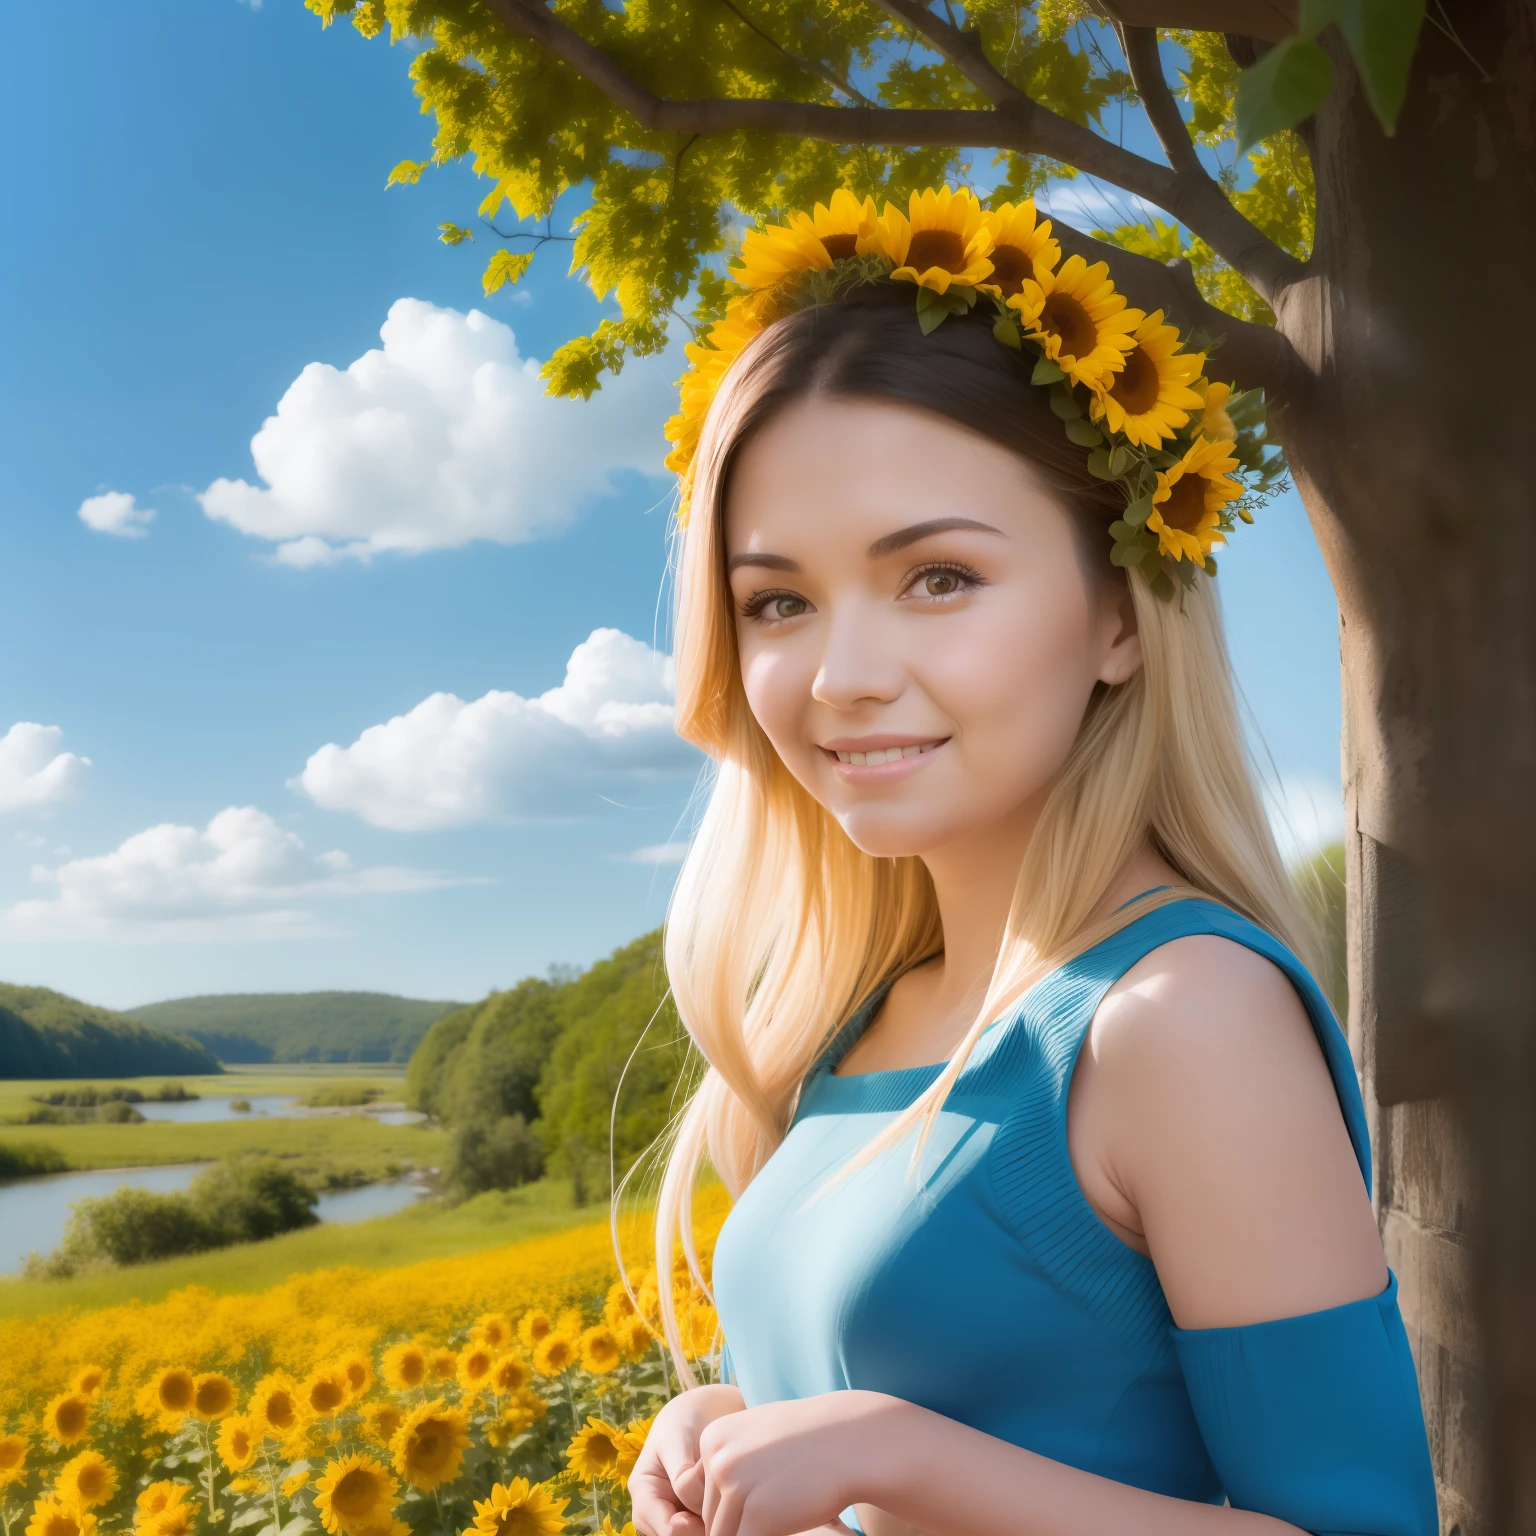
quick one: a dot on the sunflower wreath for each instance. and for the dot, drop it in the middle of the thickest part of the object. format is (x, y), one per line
(1189, 454)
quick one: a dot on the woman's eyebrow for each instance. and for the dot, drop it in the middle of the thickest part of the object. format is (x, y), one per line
(891, 542)
(757, 557)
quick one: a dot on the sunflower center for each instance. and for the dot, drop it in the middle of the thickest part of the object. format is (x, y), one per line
(602, 1452)
(280, 1411)
(412, 1369)
(356, 1376)
(92, 1483)
(176, 1392)
(326, 1397)
(431, 1448)
(71, 1419)
(61, 1524)
(1010, 266)
(11, 1452)
(936, 248)
(1072, 324)
(839, 247)
(1135, 388)
(1185, 507)
(518, 1522)
(356, 1493)
(240, 1444)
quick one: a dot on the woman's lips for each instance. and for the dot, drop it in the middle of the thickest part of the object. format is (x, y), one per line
(879, 764)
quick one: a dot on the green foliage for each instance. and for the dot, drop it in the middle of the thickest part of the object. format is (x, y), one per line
(340, 1095)
(1286, 86)
(46, 1034)
(23, 1160)
(300, 1026)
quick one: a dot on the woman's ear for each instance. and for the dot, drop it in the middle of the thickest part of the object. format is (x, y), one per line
(1119, 635)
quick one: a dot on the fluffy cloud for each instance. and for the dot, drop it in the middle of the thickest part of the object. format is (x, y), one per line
(605, 731)
(1305, 814)
(230, 879)
(33, 772)
(115, 512)
(442, 436)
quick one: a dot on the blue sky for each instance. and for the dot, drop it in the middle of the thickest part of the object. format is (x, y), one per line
(195, 215)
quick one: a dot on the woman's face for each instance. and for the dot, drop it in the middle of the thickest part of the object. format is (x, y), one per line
(917, 637)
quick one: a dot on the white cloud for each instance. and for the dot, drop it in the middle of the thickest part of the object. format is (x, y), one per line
(1305, 814)
(233, 879)
(33, 772)
(442, 436)
(607, 729)
(657, 853)
(115, 512)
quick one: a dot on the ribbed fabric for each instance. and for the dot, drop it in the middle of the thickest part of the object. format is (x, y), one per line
(992, 1292)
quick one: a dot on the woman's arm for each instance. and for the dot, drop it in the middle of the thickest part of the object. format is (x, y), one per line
(1214, 1116)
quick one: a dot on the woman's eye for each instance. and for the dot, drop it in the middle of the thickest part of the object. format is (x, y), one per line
(772, 607)
(787, 607)
(941, 581)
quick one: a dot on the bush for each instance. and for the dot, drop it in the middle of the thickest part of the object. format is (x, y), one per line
(493, 1154)
(340, 1095)
(23, 1160)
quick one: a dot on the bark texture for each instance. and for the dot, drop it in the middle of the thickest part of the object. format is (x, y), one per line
(1411, 447)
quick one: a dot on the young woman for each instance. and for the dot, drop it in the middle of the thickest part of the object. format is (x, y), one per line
(1050, 1167)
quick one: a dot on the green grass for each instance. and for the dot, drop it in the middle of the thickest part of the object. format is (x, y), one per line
(427, 1231)
(314, 1145)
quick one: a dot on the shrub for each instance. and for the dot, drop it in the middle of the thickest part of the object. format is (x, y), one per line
(21, 1160)
(493, 1154)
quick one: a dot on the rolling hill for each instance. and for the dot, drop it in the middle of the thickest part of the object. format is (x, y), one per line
(300, 1026)
(46, 1034)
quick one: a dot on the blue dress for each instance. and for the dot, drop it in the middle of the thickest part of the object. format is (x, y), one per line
(992, 1293)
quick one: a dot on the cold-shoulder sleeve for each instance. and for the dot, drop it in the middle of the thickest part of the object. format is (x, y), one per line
(1316, 1419)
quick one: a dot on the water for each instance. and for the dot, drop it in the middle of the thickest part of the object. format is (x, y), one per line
(276, 1106)
(33, 1212)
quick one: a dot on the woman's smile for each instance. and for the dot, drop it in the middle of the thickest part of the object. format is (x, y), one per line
(879, 759)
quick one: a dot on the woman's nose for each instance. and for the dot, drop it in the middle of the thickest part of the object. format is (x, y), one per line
(858, 664)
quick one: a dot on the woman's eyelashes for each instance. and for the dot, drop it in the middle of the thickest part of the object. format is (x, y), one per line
(774, 607)
(934, 582)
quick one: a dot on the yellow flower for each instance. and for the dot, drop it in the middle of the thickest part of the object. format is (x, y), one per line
(359, 1375)
(356, 1494)
(618, 1306)
(291, 1485)
(442, 1364)
(275, 1406)
(519, 1508)
(532, 1326)
(90, 1380)
(708, 362)
(1022, 246)
(1187, 503)
(648, 1298)
(943, 238)
(475, 1363)
(13, 1459)
(382, 1421)
(430, 1444)
(174, 1520)
(67, 1417)
(51, 1518)
(600, 1350)
(246, 1485)
(494, 1330)
(238, 1441)
(634, 1336)
(631, 1443)
(326, 1392)
(405, 1366)
(557, 1351)
(594, 1451)
(509, 1373)
(157, 1498)
(609, 1529)
(698, 1325)
(809, 242)
(1081, 323)
(1213, 421)
(213, 1396)
(1151, 395)
(86, 1481)
(167, 1397)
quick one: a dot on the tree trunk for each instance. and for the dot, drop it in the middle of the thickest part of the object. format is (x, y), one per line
(1414, 459)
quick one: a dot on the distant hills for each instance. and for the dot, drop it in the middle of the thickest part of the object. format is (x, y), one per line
(300, 1026)
(46, 1034)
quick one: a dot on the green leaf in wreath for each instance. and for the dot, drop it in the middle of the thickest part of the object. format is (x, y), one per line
(1098, 464)
(1139, 511)
(1065, 406)
(1046, 372)
(1084, 434)
(1007, 332)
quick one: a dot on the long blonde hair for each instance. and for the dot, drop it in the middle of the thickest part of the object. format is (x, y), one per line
(779, 925)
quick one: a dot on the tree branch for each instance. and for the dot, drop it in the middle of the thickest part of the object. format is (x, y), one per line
(1146, 64)
(1270, 20)
(811, 66)
(1015, 123)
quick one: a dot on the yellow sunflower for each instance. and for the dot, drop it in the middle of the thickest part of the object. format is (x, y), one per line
(631, 1443)
(709, 361)
(943, 238)
(157, 1498)
(382, 1421)
(442, 1363)
(90, 1380)
(594, 1450)
(404, 1366)
(86, 1481)
(648, 1298)
(239, 1439)
(618, 1304)
(810, 242)
(1213, 421)
(67, 1417)
(291, 1485)
(1022, 246)
(1151, 395)
(519, 1508)
(213, 1396)
(430, 1444)
(174, 1520)
(634, 1336)
(356, 1494)
(325, 1392)
(494, 1330)
(167, 1397)
(509, 1373)
(276, 1406)
(523, 1409)
(557, 1351)
(474, 1368)
(608, 1528)
(600, 1350)
(1187, 503)
(50, 1517)
(13, 1459)
(1082, 324)
(698, 1325)
(359, 1374)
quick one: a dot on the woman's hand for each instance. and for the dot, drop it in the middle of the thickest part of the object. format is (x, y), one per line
(667, 1485)
(794, 1466)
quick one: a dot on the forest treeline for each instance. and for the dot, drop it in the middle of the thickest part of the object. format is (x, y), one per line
(526, 1079)
(46, 1034)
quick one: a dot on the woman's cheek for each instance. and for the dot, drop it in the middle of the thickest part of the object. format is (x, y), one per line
(778, 689)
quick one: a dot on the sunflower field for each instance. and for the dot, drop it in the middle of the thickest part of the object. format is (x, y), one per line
(504, 1393)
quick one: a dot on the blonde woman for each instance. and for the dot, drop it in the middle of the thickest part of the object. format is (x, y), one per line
(1050, 1167)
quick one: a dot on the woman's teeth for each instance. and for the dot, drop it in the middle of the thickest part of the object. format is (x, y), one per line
(884, 755)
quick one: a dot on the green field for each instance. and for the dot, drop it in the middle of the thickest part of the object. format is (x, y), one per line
(427, 1231)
